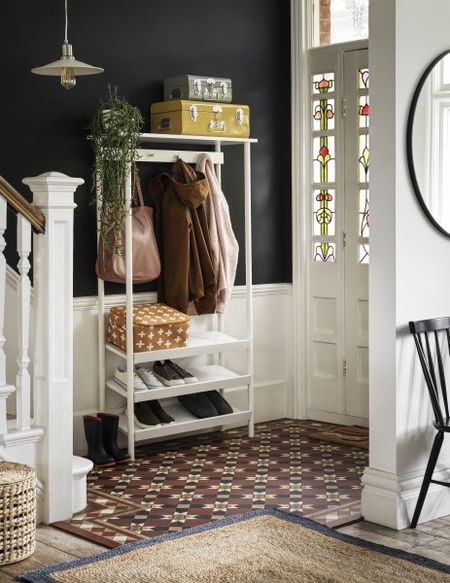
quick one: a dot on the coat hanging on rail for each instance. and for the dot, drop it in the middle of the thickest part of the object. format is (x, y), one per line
(224, 246)
(187, 272)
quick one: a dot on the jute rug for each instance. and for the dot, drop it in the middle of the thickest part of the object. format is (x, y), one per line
(264, 545)
(355, 436)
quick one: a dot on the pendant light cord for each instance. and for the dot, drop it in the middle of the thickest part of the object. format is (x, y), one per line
(65, 35)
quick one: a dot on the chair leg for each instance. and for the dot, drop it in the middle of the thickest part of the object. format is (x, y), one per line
(435, 450)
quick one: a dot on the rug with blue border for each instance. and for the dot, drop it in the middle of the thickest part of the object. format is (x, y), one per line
(263, 545)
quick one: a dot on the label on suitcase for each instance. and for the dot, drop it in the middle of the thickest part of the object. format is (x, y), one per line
(193, 118)
(197, 88)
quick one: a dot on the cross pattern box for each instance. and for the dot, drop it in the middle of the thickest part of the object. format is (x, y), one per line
(155, 327)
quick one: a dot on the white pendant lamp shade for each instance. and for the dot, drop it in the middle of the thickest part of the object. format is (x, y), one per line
(67, 67)
(67, 61)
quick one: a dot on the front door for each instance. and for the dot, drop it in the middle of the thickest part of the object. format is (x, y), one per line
(338, 287)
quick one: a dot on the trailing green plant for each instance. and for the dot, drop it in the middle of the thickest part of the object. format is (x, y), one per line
(114, 129)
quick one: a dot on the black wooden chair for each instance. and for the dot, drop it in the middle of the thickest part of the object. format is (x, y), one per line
(430, 336)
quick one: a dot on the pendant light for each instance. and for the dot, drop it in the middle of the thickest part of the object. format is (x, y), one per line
(67, 67)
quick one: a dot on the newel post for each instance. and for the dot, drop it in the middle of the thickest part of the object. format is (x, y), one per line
(53, 194)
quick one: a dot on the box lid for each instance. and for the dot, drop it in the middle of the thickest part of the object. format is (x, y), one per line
(152, 314)
(185, 105)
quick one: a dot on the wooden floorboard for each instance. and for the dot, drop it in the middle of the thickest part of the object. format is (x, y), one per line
(431, 540)
(52, 546)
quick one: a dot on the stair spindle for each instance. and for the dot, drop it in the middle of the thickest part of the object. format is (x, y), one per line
(24, 288)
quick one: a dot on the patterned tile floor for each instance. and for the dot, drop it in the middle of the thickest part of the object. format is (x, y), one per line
(179, 484)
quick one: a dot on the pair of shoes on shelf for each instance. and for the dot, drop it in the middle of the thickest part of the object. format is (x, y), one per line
(209, 404)
(143, 378)
(150, 414)
(101, 436)
(171, 374)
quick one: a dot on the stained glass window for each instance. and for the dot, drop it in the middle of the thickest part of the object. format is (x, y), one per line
(364, 219)
(324, 166)
(325, 252)
(363, 78)
(363, 166)
(364, 158)
(323, 111)
(363, 253)
(363, 111)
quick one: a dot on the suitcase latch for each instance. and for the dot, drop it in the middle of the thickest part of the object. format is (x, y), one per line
(193, 112)
(239, 116)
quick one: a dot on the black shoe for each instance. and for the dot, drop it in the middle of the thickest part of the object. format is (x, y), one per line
(199, 405)
(187, 377)
(94, 437)
(144, 416)
(166, 374)
(110, 426)
(223, 407)
(159, 412)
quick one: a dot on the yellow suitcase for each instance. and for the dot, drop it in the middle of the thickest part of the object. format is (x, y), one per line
(199, 118)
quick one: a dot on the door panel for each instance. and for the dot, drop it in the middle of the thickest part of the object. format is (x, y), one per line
(356, 276)
(338, 283)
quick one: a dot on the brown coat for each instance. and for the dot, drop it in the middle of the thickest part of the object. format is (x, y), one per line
(187, 272)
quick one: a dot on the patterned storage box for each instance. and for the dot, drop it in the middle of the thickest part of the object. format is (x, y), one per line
(155, 327)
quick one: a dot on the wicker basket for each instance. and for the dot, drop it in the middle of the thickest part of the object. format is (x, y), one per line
(17, 512)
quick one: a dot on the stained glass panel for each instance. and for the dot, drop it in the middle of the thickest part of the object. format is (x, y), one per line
(324, 252)
(323, 213)
(364, 158)
(323, 114)
(363, 253)
(364, 78)
(363, 111)
(324, 160)
(323, 83)
(364, 216)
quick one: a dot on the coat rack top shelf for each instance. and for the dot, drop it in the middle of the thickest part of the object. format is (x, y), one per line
(205, 140)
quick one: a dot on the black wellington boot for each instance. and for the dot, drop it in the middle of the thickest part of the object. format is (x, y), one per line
(96, 452)
(110, 426)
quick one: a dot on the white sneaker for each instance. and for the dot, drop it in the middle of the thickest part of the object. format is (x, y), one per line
(120, 376)
(149, 378)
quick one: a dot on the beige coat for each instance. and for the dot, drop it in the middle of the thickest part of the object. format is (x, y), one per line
(224, 246)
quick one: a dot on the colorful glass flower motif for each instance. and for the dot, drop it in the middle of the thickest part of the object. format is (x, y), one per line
(364, 160)
(324, 252)
(324, 85)
(364, 109)
(324, 156)
(364, 77)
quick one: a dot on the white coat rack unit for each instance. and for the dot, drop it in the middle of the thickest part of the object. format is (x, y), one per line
(212, 343)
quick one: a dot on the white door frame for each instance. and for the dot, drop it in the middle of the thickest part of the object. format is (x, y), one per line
(301, 36)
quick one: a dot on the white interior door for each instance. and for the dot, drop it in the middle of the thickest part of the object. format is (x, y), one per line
(356, 228)
(338, 274)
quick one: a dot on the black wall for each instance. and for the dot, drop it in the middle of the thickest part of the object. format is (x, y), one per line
(138, 43)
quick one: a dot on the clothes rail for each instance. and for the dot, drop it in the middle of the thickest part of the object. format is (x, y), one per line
(161, 156)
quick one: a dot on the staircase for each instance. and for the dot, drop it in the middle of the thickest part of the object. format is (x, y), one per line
(36, 380)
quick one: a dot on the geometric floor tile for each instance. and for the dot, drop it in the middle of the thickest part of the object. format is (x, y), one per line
(195, 480)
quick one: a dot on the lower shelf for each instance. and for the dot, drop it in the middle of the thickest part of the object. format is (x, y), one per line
(184, 423)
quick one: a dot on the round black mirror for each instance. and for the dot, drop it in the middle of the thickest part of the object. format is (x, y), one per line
(428, 142)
